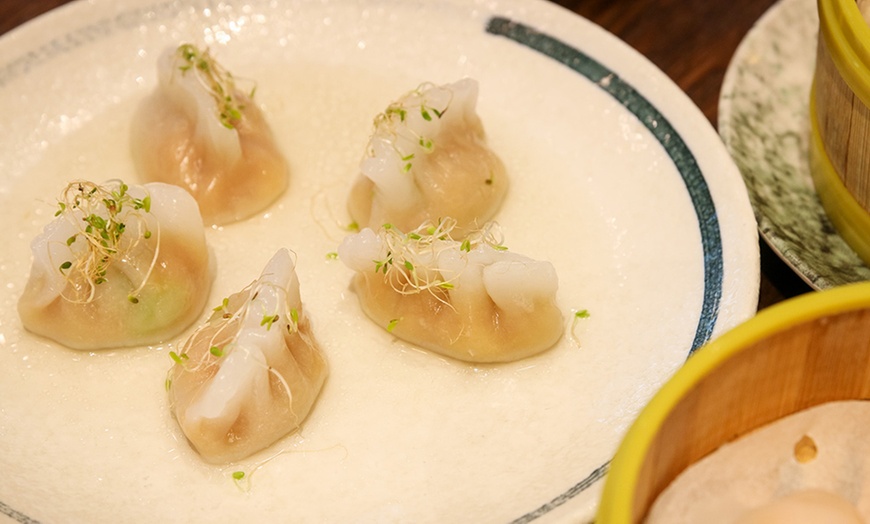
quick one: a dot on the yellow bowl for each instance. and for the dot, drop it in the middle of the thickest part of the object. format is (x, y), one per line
(798, 354)
(840, 121)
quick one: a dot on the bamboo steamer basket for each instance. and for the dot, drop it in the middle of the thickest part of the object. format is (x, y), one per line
(798, 354)
(840, 121)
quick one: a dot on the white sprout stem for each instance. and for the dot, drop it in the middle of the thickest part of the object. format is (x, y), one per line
(151, 266)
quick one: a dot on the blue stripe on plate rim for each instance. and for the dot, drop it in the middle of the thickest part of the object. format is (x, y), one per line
(684, 160)
(677, 150)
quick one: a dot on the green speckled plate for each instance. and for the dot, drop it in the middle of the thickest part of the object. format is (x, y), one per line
(764, 121)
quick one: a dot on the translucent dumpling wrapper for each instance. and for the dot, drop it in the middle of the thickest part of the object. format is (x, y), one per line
(251, 374)
(804, 507)
(118, 266)
(199, 131)
(428, 158)
(471, 300)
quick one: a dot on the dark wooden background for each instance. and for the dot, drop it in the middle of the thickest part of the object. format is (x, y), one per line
(692, 41)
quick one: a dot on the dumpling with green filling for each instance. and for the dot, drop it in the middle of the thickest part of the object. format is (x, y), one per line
(251, 374)
(200, 131)
(428, 158)
(118, 266)
(471, 300)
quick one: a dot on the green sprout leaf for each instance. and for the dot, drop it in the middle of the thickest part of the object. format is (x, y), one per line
(578, 316)
(224, 305)
(219, 83)
(268, 320)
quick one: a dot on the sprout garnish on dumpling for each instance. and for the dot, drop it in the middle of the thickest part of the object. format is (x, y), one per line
(106, 214)
(427, 158)
(118, 265)
(472, 299)
(252, 372)
(200, 131)
(216, 81)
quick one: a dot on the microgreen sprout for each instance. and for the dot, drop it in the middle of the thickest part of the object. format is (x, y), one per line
(219, 82)
(430, 102)
(410, 259)
(332, 255)
(178, 358)
(391, 325)
(242, 480)
(224, 305)
(293, 325)
(216, 351)
(396, 110)
(110, 223)
(268, 320)
(578, 316)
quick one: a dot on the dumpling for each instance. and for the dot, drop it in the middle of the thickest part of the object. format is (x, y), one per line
(251, 374)
(805, 507)
(199, 131)
(427, 159)
(118, 266)
(470, 300)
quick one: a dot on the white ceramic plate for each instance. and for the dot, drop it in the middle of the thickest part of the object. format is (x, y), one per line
(764, 121)
(616, 178)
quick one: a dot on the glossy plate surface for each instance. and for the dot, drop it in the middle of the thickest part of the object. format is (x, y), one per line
(615, 177)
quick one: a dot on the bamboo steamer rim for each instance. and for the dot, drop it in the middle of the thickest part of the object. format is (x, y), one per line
(847, 37)
(617, 501)
(845, 212)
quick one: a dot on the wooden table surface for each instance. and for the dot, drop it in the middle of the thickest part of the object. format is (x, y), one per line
(692, 41)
